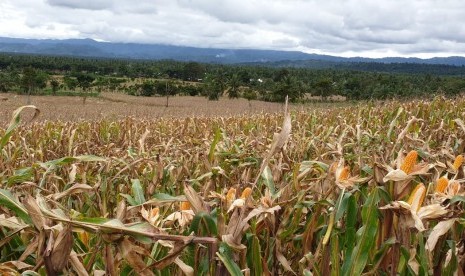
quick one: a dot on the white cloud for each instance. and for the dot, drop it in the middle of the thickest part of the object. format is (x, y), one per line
(352, 27)
(82, 4)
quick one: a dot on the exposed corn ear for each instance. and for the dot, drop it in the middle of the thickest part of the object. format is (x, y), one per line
(344, 174)
(458, 162)
(185, 205)
(154, 212)
(231, 195)
(417, 197)
(409, 161)
(441, 184)
(246, 193)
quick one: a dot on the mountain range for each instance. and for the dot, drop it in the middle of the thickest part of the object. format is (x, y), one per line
(92, 48)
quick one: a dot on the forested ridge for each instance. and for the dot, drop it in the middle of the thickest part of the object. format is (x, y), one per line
(37, 74)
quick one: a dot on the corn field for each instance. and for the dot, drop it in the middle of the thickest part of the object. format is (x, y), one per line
(369, 189)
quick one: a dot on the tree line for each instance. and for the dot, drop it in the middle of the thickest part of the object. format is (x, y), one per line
(55, 75)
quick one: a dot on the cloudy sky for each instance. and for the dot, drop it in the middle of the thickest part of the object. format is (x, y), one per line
(421, 28)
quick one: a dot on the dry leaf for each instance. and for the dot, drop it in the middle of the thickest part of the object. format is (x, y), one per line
(188, 270)
(284, 262)
(31, 248)
(233, 242)
(77, 264)
(76, 188)
(72, 174)
(34, 212)
(58, 256)
(172, 255)
(396, 175)
(196, 201)
(279, 140)
(18, 265)
(440, 229)
(128, 252)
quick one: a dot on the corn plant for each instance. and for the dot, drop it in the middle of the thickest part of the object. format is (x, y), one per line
(367, 189)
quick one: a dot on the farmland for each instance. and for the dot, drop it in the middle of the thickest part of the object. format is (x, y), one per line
(114, 106)
(371, 189)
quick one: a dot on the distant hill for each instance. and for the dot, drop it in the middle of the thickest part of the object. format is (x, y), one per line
(92, 48)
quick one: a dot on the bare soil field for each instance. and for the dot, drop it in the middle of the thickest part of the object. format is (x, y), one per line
(116, 106)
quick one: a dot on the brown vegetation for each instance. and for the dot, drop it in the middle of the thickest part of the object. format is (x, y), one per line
(117, 106)
(363, 190)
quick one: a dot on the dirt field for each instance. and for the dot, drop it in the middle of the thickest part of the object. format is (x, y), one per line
(113, 106)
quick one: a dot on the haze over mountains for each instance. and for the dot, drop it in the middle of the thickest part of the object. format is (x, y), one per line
(92, 48)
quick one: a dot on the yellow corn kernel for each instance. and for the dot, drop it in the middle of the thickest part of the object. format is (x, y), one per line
(246, 193)
(185, 205)
(441, 184)
(231, 195)
(154, 212)
(409, 162)
(344, 174)
(458, 162)
(417, 196)
(453, 188)
(84, 237)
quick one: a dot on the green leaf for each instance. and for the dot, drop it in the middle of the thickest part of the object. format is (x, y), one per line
(130, 199)
(342, 208)
(95, 220)
(204, 224)
(350, 222)
(216, 139)
(254, 259)
(72, 159)
(378, 257)
(162, 197)
(268, 178)
(20, 175)
(366, 236)
(142, 227)
(313, 164)
(457, 198)
(137, 192)
(226, 258)
(422, 254)
(8, 200)
(335, 257)
(295, 220)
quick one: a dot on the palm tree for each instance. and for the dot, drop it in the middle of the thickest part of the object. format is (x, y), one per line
(234, 84)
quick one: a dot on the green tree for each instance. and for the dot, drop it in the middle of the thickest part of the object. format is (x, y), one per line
(70, 82)
(147, 88)
(234, 84)
(288, 86)
(193, 71)
(213, 88)
(250, 95)
(32, 80)
(7, 81)
(85, 82)
(324, 88)
(55, 85)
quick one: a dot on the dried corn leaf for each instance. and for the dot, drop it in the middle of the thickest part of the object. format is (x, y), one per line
(129, 253)
(75, 189)
(439, 230)
(196, 201)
